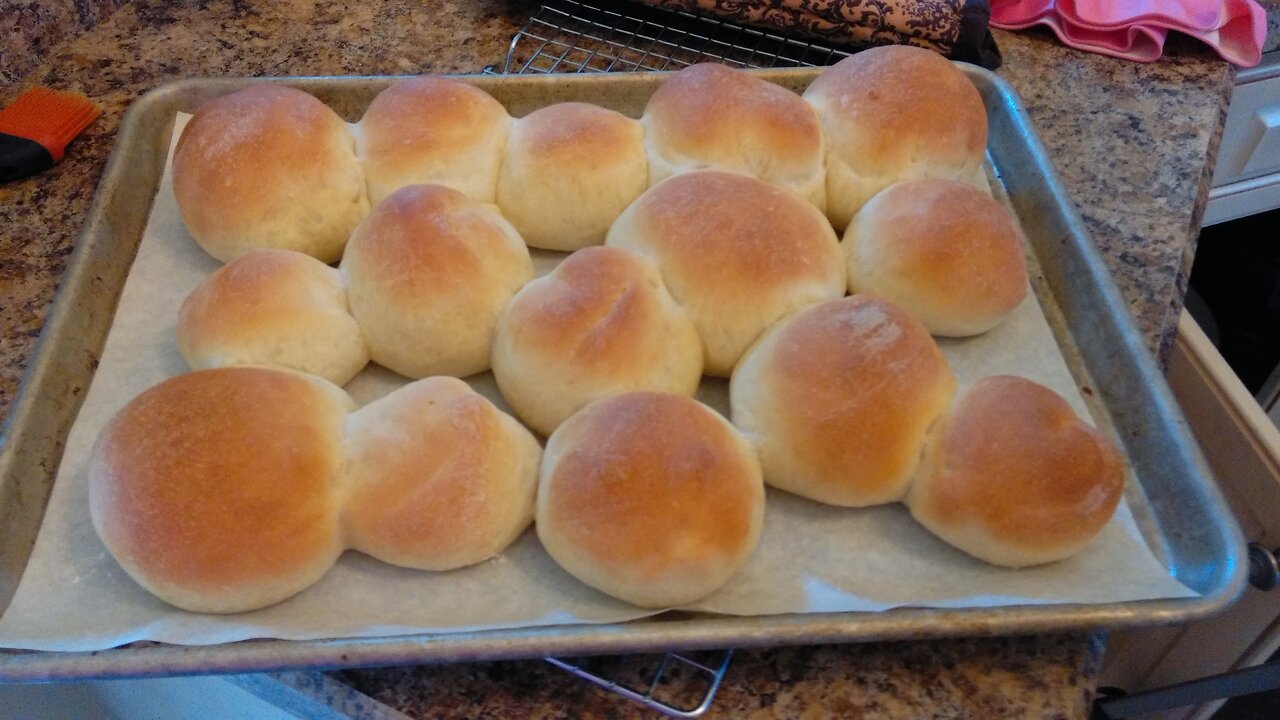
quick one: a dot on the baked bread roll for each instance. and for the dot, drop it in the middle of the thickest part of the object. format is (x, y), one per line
(894, 113)
(272, 307)
(216, 490)
(427, 274)
(437, 477)
(600, 324)
(433, 130)
(737, 253)
(944, 250)
(710, 116)
(569, 170)
(1011, 475)
(268, 167)
(837, 400)
(652, 498)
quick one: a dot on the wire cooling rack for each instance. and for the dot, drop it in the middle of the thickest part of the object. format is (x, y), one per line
(586, 36)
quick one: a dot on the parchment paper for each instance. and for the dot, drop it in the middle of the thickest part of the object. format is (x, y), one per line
(811, 558)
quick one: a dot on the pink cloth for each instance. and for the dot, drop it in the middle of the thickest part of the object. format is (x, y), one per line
(1136, 29)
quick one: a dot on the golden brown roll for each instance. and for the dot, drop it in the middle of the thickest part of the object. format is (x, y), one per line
(268, 167)
(710, 116)
(430, 130)
(737, 253)
(652, 498)
(569, 170)
(601, 324)
(1012, 476)
(216, 490)
(427, 274)
(895, 113)
(837, 400)
(943, 250)
(272, 307)
(437, 477)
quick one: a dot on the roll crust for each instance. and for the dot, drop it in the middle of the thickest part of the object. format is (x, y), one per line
(710, 116)
(944, 250)
(837, 400)
(268, 167)
(437, 477)
(272, 307)
(430, 130)
(216, 490)
(737, 253)
(602, 323)
(428, 273)
(894, 113)
(1013, 477)
(652, 498)
(569, 170)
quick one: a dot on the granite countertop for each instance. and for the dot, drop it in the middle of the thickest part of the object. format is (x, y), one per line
(1134, 144)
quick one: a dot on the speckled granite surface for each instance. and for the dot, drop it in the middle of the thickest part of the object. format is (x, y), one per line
(1031, 678)
(30, 29)
(1273, 26)
(1134, 144)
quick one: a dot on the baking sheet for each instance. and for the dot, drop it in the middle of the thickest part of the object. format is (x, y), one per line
(811, 558)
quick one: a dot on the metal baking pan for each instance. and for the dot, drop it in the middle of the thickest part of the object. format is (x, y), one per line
(1179, 508)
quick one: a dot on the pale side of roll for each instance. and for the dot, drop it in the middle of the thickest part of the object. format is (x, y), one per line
(837, 400)
(216, 490)
(268, 167)
(601, 324)
(437, 477)
(1011, 475)
(710, 116)
(652, 498)
(569, 170)
(272, 307)
(737, 253)
(895, 113)
(944, 250)
(431, 130)
(427, 274)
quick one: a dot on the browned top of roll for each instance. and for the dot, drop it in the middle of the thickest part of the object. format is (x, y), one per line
(219, 478)
(902, 101)
(428, 115)
(599, 306)
(854, 384)
(241, 153)
(1013, 458)
(572, 135)
(946, 250)
(650, 479)
(718, 114)
(430, 241)
(726, 237)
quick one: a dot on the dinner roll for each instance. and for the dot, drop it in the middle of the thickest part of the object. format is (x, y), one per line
(837, 400)
(601, 324)
(1012, 476)
(710, 116)
(427, 274)
(272, 307)
(215, 490)
(437, 477)
(268, 167)
(433, 130)
(894, 113)
(944, 250)
(569, 170)
(737, 253)
(652, 498)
